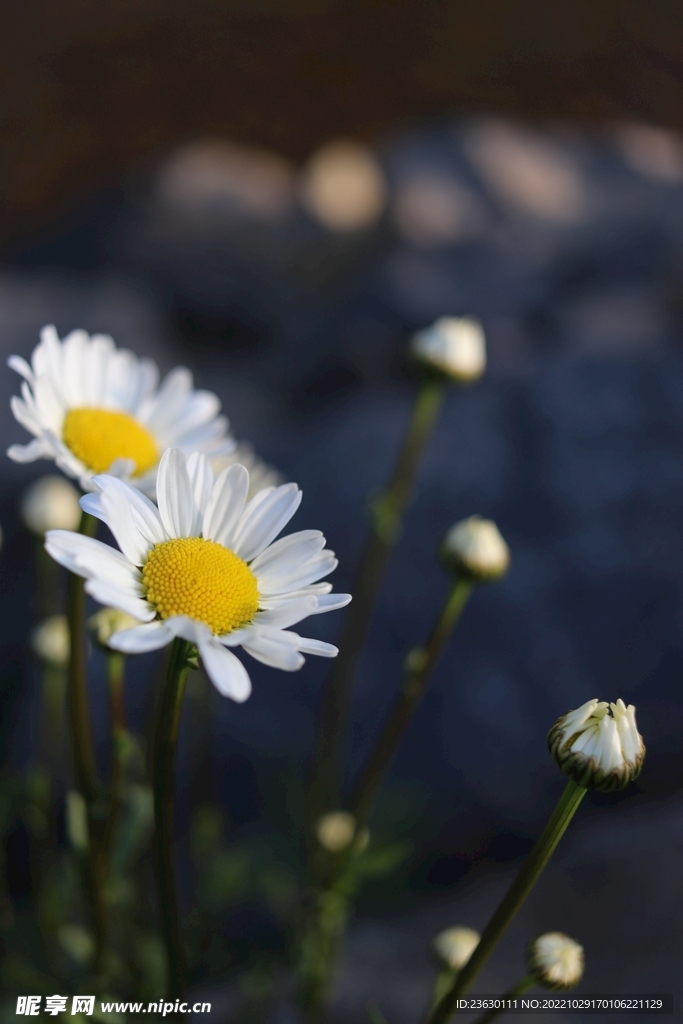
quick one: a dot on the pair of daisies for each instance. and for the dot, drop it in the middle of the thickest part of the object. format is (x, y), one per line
(203, 563)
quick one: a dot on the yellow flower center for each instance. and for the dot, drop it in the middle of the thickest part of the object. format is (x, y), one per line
(201, 579)
(99, 436)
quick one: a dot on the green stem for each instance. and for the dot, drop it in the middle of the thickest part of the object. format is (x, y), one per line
(512, 901)
(165, 744)
(522, 986)
(85, 765)
(116, 663)
(79, 707)
(420, 665)
(387, 520)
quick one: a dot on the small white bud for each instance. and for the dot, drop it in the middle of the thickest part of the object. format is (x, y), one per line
(455, 946)
(50, 640)
(107, 621)
(475, 549)
(336, 829)
(555, 960)
(452, 345)
(50, 503)
(598, 750)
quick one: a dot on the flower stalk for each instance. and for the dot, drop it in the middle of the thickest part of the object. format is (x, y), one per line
(513, 900)
(165, 745)
(116, 665)
(83, 751)
(387, 513)
(419, 666)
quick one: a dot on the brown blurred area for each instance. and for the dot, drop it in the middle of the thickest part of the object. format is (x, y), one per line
(88, 88)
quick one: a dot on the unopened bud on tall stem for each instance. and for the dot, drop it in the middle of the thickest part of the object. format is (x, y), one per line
(453, 346)
(475, 549)
(598, 750)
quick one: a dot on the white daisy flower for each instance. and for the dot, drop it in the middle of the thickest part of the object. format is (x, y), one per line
(205, 566)
(95, 408)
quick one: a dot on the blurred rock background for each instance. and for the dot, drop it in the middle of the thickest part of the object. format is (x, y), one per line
(278, 195)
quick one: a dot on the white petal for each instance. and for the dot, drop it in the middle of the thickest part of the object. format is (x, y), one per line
(74, 348)
(118, 511)
(319, 647)
(294, 549)
(273, 647)
(36, 449)
(331, 602)
(262, 520)
(20, 366)
(141, 639)
(146, 515)
(160, 411)
(108, 594)
(226, 672)
(96, 366)
(209, 438)
(285, 613)
(226, 504)
(202, 479)
(50, 406)
(123, 384)
(91, 504)
(90, 558)
(299, 575)
(24, 416)
(189, 629)
(174, 494)
(198, 409)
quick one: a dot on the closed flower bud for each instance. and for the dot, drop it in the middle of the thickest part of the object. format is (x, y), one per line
(50, 640)
(335, 831)
(455, 946)
(475, 549)
(555, 961)
(454, 346)
(50, 503)
(107, 621)
(598, 750)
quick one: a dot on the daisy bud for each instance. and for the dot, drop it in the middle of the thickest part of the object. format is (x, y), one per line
(50, 640)
(598, 750)
(455, 946)
(454, 346)
(50, 503)
(107, 621)
(475, 550)
(335, 830)
(555, 961)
